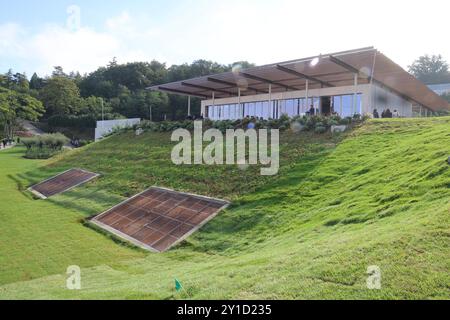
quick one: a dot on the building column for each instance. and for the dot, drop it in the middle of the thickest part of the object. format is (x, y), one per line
(209, 108)
(270, 97)
(189, 105)
(307, 95)
(355, 95)
(239, 100)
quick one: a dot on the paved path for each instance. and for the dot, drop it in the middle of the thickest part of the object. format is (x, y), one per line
(7, 147)
(28, 126)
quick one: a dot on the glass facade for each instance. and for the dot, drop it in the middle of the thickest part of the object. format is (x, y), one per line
(342, 105)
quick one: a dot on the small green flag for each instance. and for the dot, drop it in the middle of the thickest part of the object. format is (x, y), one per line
(178, 285)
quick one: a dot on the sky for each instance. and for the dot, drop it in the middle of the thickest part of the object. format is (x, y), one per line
(82, 35)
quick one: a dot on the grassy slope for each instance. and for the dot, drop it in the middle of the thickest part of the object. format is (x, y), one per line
(380, 198)
(38, 237)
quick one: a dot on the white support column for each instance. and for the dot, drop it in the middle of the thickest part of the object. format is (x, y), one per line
(210, 108)
(420, 111)
(307, 96)
(189, 105)
(355, 95)
(270, 97)
(239, 101)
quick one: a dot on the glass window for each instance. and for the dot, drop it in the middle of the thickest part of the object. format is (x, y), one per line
(347, 106)
(290, 108)
(232, 112)
(251, 109)
(359, 104)
(316, 103)
(343, 105)
(265, 112)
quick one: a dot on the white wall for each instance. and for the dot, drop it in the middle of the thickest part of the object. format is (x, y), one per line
(383, 99)
(105, 127)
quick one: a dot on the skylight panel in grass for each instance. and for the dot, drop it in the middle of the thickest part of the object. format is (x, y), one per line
(62, 183)
(157, 219)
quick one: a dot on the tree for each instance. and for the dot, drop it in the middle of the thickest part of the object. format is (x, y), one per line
(95, 106)
(430, 69)
(21, 82)
(157, 104)
(15, 81)
(113, 63)
(60, 96)
(16, 105)
(242, 64)
(58, 72)
(36, 83)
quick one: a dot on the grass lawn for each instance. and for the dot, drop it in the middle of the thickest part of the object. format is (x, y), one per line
(377, 196)
(40, 237)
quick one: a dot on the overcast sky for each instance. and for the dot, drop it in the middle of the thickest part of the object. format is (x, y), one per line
(37, 35)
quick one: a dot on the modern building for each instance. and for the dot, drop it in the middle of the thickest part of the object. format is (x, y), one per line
(346, 83)
(441, 88)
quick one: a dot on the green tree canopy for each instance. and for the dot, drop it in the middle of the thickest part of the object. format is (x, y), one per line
(15, 105)
(430, 69)
(121, 86)
(14, 81)
(60, 96)
(36, 83)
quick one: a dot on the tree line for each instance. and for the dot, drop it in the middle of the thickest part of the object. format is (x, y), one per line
(111, 92)
(118, 91)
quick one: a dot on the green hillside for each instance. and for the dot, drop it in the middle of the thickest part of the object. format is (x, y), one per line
(379, 195)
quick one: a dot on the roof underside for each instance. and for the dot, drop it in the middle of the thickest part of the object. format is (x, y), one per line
(330, 70)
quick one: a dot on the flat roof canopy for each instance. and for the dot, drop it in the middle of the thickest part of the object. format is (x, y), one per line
(329, 70)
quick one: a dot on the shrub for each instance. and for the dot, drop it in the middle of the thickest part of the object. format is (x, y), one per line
(44, 146)
(40, 153)
(30, 142)
(84, 143)
(320, 129)
(316, 123)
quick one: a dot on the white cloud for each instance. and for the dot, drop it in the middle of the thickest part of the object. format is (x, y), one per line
(82, 50)
(10, 33)
(119, 22)
(264, 32)
(253, 30)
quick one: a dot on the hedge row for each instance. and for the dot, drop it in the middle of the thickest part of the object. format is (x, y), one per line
(318, 123)
(53, 141)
